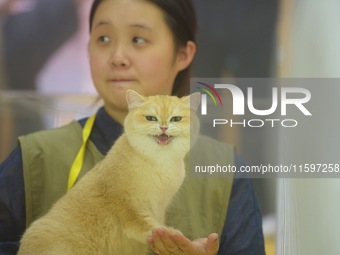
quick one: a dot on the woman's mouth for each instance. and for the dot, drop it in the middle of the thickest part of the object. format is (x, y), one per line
(121, 80)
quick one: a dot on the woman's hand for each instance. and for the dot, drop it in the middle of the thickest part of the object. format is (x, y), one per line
(166, 242)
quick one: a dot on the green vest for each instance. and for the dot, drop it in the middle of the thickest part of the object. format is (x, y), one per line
(198, 209)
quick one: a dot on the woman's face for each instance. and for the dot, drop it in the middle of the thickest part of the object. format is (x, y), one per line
(131, 47)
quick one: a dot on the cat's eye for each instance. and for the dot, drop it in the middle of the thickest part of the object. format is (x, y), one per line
(151, 118)
(176, 119)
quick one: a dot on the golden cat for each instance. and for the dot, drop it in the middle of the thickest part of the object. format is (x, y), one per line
(114, 207)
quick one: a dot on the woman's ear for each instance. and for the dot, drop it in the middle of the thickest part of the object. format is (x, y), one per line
(186, 55)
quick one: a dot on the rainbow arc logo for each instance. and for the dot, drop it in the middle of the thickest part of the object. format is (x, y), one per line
(213, 94)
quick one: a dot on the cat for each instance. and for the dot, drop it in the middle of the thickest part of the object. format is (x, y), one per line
(114, 207)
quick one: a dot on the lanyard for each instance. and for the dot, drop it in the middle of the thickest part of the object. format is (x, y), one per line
(78, 162)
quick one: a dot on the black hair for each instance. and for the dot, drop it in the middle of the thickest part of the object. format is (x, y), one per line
(180, 16)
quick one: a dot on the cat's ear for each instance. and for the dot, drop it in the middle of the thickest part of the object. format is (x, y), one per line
(193, 100)
(133, 99)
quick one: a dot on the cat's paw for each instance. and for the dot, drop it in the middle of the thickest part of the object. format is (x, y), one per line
(172, 230)
(165, 233)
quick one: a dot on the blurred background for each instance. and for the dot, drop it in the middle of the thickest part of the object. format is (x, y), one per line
(45, 82)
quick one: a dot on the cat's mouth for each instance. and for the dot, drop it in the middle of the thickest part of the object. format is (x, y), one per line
(163, 139)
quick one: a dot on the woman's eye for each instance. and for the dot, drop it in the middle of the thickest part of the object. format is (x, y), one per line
(104, 39)
(175, 119)
(138, 40)
(151, 118)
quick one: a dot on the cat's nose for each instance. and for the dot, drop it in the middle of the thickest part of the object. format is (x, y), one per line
(164, 129)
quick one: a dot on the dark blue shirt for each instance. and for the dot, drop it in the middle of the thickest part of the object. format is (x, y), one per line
(242, 232)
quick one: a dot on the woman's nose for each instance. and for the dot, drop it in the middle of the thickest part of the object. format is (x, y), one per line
(119, 56)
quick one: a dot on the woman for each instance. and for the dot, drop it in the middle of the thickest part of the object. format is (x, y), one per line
(148, 46)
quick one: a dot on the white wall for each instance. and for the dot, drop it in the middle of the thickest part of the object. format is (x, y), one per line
(309, 209)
